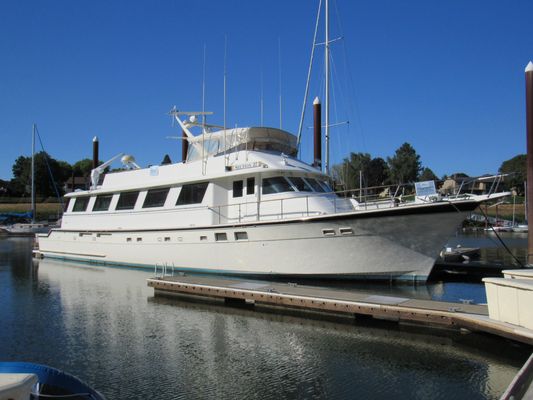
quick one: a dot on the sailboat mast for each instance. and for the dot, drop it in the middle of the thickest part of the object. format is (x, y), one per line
(33, 174)
(327, 85)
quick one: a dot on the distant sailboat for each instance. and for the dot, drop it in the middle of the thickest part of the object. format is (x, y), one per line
(29, 229)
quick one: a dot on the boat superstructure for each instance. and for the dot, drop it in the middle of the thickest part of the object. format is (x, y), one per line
(243, 204)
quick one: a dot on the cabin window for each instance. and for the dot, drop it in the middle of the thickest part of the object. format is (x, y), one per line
(67, 202)
(221, 236)
(80, 204)
(250, 186)
(102, 202)
(277, 184)
(300, 184)
(241, 236)
(237, 188)
(326, 186)
(315, 185)
(127, 200)
(192, 194)
(155, 198)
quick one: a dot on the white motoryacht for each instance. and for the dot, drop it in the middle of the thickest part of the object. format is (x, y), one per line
(242, 204)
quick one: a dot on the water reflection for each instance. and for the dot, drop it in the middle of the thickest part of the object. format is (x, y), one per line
(105, 326)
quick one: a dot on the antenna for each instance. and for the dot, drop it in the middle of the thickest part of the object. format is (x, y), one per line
(225, 59)
(279, 73)
(327, 85)
(203, 88)
(203, 115)
(262, 124)
(308, 78)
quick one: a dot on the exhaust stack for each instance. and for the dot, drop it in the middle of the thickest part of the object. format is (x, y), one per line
(95, 152)
(184, 146)
(317, 125)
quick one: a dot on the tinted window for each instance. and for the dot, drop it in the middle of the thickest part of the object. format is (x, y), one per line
(250, 186)
(237, 188)
(80, 204)
(326, 186)
(127, 200)
(315, 185)
(155, 198)
(300, 184)
(66, 203)
(102, 202)
(192, 194)
(277, 184)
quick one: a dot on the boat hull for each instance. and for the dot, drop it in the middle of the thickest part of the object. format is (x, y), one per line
(392, 244)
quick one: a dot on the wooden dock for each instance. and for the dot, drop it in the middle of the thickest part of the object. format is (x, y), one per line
(471, 317)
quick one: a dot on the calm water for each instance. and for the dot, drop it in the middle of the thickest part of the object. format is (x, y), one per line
(105, 326)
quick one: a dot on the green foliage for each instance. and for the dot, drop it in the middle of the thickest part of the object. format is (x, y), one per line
(166, 160)
(404, 165)
(83, 167)
(427, 175)
(373, 171)
(44, 185)
(516, 167)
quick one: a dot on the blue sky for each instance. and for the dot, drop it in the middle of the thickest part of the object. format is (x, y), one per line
(445, 76)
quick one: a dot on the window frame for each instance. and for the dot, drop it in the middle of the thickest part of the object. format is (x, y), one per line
(120, 207)
(248, 186)
(238, 188)
(187, 196)
(84, 207)
(153, 193)
(272, 178)
(102, 198)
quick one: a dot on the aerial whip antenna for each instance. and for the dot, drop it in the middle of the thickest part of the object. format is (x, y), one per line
(308, 78)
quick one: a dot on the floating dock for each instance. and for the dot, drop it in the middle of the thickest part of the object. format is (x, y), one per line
(471, 317)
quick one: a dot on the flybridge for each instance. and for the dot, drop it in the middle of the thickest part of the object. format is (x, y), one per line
(215, 140)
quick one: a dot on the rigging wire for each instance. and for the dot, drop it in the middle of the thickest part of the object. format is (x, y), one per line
(49, 169)
(300, 126)
(351, 81)
(500, 239)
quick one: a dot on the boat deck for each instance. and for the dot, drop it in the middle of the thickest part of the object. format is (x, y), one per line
(472, 317)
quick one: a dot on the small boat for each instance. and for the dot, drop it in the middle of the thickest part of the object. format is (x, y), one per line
(459, 253)
(23, 380)
(520, 228)
(26, 229)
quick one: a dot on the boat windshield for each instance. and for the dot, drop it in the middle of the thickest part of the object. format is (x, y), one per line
(276, 184)
(300, 184)
(315, 185)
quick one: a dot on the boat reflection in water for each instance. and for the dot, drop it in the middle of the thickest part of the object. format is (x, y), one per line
(104, 325)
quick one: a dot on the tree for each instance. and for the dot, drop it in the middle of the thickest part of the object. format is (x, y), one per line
(404, 165)
(378, 172)
(517, 168)
(44, 183)
(83, 167)
(428, 175)
(348, 172)
(166, 160)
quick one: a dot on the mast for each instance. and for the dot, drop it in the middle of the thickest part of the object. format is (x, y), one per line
(33, 209)
(529, 162)
(327, 86)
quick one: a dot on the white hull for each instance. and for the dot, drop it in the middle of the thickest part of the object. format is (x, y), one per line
(382, 244)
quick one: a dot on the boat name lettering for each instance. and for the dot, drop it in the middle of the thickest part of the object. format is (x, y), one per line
(254, 164)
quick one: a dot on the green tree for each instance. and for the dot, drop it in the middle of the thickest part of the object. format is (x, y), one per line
(83, 167)
(428, 175)
(517, 168)
(378, 172)
(404, 165)
(348, 171)
(44, 183)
